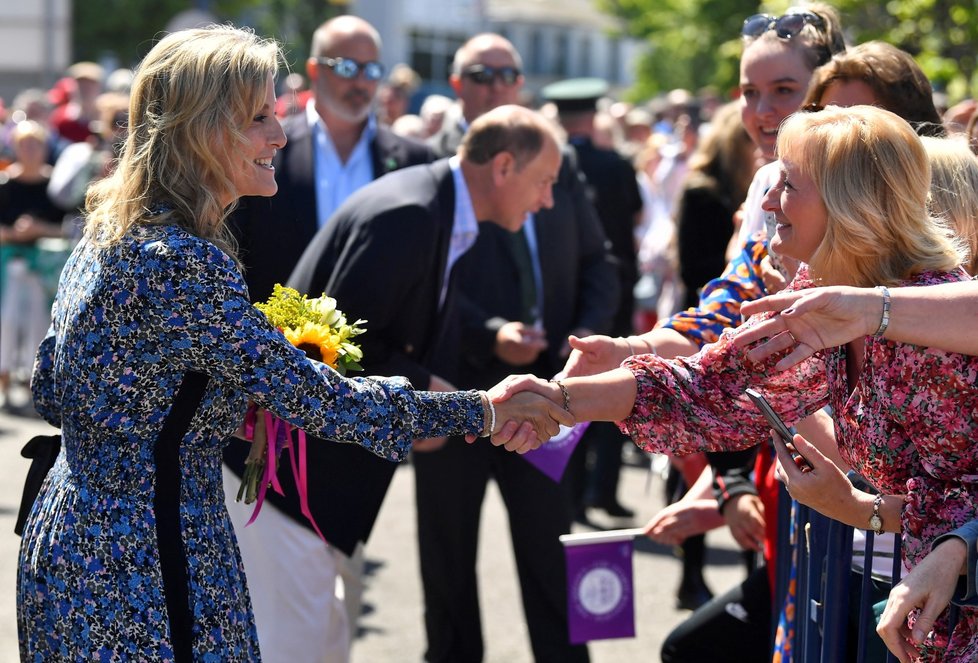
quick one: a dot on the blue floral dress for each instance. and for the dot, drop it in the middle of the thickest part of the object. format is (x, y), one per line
(128, 322)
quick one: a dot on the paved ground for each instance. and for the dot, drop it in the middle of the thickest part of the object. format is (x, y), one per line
(392, 626)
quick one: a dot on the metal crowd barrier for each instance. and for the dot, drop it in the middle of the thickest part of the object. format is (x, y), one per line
(824, 552)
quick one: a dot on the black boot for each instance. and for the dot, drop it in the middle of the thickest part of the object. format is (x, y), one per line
(693, 592)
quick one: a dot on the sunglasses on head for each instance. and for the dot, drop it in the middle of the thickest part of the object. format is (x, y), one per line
(786, 26)
(347, 68)
(480, 74)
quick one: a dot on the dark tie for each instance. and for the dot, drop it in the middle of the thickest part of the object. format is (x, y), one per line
(528, 285)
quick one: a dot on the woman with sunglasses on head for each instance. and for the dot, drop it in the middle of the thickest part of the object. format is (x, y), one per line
(780, 54)
(852, 206)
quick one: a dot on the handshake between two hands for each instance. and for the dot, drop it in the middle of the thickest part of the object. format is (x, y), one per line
(529, 411)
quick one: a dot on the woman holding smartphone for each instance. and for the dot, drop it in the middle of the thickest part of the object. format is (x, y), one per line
(852, 205)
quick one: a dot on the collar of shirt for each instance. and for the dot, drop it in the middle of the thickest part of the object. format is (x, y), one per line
(335, 180)
(465, 227)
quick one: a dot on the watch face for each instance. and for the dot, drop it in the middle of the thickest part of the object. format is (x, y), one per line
(875, 523)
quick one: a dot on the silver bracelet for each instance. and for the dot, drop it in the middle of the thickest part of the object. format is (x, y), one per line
(885, 318)
(648, 344)
(492, 416)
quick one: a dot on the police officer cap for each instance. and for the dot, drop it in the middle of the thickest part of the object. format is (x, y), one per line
(576, 94)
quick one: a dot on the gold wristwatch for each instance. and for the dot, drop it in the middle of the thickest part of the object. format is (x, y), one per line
(875, 522)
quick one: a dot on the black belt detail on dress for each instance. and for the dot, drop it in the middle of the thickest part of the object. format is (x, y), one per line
(166, 506)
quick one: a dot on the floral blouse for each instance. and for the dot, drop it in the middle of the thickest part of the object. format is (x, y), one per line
(908, 425)
(720, 299)
(128, 322)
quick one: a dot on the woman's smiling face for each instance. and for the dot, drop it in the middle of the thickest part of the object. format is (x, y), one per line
(251, 171)
(800, 212)
(773, 80)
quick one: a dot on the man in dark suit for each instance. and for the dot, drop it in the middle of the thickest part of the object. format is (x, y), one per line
(388, 254)
(335, 146)
(614, 188)
(521, 295)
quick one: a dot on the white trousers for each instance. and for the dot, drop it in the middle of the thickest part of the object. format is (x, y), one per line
(305, 595)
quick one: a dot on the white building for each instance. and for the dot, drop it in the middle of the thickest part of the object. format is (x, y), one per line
(557, 38)
(35, 38)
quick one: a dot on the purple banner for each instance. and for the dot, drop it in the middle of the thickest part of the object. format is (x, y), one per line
(552, 457)
(600, 594)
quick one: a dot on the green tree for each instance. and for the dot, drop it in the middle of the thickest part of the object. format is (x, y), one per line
(942, 35)
(693, 43)
(292, 22)
(127, 29)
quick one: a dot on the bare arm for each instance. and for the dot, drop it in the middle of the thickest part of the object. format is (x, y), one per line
(608, 396)
(596, 354)
(811, 320)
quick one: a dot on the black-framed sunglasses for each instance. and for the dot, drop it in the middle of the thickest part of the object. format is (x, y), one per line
(347, 68)
(480, 74)
(786, 26)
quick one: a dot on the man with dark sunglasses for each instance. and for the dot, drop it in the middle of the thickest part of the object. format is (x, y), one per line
(487, 72)
(521, 293)
(305, 594)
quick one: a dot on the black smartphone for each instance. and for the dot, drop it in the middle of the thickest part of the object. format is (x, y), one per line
(783, 432)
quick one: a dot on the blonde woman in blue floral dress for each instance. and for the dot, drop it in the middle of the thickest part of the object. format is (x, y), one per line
(128, 553)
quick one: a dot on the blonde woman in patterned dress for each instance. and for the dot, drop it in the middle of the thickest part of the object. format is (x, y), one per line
(128, 552)
(852, 205)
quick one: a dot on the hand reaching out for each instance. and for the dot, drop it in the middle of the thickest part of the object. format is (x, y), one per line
(810, 320)
(595, 354)
(522, 434)
(929, 586)
(543, 416)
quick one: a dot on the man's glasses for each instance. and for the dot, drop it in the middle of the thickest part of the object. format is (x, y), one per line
(786, 26)
(347, 68)
(480, 74)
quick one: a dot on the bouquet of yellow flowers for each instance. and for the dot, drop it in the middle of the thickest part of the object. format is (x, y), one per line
(318, 328)
(315, 326)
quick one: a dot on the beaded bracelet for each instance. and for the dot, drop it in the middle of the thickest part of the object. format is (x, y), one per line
(885, 318)
(564, 393)
(488, 413)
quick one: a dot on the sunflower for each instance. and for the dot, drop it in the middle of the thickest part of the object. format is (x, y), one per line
(316, 341)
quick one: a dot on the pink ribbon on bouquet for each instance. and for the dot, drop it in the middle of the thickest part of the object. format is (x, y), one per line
(300, 469)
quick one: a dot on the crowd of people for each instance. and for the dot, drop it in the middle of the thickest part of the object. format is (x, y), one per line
(625, 261)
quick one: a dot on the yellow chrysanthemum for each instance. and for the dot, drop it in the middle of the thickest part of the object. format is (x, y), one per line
(316, 341)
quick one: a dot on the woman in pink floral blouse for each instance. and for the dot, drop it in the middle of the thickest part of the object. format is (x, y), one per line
(852, 205)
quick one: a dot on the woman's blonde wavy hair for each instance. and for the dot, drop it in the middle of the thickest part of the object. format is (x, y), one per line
(873, 174)
(954, 190)
(192, 96)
